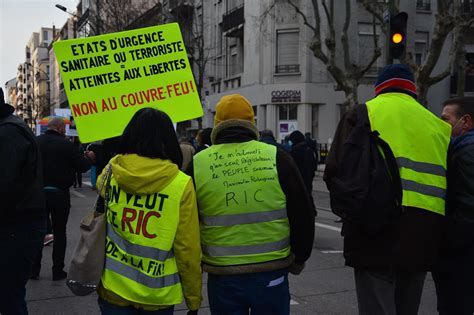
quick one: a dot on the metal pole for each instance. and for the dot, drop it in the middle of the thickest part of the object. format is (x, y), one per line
(392, 10)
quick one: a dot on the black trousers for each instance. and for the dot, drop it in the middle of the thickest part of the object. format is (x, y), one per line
(19, 245)
(77, 179)
(58, 205)
(454, 281)
(388, 292)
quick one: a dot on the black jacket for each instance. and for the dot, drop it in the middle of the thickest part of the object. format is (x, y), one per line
(307, 163)
(21, 182)
(410, 243)
(299, 210)
(61, 159)
(460, 198)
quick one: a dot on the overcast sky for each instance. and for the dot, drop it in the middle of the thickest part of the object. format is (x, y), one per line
(20, 18)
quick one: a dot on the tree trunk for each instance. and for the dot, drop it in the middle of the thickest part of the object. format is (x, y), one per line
(422, 91)
(461, 68)
(352, 95)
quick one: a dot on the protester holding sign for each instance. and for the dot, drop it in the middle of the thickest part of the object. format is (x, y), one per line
(153, 253)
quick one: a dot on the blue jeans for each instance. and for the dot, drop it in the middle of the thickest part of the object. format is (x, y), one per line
(93, 176)
(107, 308)
(258, 293)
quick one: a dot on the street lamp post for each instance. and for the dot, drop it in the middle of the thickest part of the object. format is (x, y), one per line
(80, 18)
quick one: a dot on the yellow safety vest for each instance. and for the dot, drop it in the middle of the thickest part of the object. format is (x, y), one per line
(419, 141)
(140, 264)
(242, 207)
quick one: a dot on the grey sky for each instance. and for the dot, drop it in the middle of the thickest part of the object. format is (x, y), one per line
(20, 18)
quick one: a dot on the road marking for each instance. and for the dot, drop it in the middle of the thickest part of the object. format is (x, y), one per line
(329, 227)
(78, 194)
(324, 209)
(87, 183)
(293, 302)
(332, 251)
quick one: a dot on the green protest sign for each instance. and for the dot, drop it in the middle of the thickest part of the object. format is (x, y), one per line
(107, 78)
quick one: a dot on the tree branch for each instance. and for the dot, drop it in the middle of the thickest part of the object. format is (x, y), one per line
(377, 50)
(374, 8)
(305, 19)
(345, 37)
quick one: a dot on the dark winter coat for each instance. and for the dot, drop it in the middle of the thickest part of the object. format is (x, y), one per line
(272, 141)
(459, 237)
(305, 160)
(61, 159)
(21, 182)
(299, 210)
(410, 243)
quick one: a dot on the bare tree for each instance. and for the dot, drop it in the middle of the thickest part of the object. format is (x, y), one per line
(347, 74)
(108, 16)
(449, 20)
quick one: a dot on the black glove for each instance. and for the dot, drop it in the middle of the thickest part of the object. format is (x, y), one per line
(192, 312)
(296, 268)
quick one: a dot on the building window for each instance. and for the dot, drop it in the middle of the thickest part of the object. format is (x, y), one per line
(234, 66)
(287, 51)
(45, 36)
(47, 70)
(423, 5)
(288, 112)
(421, 46)
(367, 46)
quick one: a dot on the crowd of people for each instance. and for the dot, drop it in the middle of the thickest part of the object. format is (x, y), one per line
(234, 203)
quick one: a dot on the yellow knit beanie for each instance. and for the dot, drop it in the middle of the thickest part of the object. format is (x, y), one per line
(233, 106)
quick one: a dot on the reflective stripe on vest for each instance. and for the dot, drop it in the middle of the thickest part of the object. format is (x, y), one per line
(419, 141)
(245, 249)
(242, 208)
(133, 274)
(135, 249)
(140, 265)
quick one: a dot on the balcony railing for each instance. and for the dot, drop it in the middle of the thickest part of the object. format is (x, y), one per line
(423, 5)
(287, 68)
(233, 19)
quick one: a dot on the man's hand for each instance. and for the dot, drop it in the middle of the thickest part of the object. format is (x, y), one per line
(90, 155)
(296, 269)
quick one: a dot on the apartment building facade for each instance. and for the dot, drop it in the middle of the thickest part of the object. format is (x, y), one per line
(33, 84)
(265, 56)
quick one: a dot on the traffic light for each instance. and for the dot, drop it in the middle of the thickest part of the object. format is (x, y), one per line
(398, 35)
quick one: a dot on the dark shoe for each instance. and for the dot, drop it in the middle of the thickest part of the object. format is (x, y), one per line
(34, 276)
(59, 275)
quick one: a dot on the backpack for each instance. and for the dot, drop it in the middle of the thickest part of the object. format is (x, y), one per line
(366, 189)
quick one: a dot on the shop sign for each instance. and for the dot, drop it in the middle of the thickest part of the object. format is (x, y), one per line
(286, 96)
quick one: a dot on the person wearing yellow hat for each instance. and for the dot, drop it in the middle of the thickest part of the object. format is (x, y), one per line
(256, 223)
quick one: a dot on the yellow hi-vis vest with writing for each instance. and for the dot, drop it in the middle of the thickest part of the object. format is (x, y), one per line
(242, 207)
(140, 264)
(419, 141)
